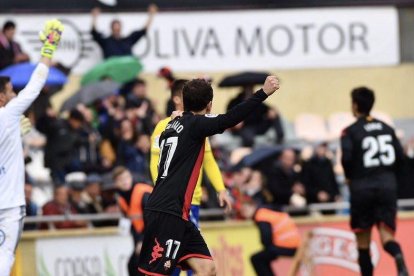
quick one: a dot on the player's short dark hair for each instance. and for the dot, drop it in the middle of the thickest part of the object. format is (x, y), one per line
(177, 87)
(364, 99)
(8, 25)
(197, 93)
(76, 115)
(3, 81)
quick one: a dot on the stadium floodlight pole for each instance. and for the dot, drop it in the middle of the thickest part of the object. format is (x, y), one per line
(12, 107)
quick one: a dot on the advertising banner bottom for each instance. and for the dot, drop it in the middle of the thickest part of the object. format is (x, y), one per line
(331, 250)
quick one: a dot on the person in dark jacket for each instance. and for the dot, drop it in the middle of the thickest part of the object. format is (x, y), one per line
(133, 150)
(115, 44)
(10, 51)
(259, 122)
(283, 182)
(405, 176)
(64, 139)
(319, 178)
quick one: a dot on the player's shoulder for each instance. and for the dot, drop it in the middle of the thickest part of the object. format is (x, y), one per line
(164, 122)
(371, 124)
(349, 129)
(159, 128)
(385, 125)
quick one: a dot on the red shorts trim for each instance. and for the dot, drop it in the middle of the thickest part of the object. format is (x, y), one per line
(150, 273)
(194, 255)
(360, 230)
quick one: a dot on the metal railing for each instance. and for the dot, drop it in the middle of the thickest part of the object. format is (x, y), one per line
(311, 209)
(339, 206)
(90, 218)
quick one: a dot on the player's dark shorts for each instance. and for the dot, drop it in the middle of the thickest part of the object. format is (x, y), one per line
(168, 242)
(373, 206)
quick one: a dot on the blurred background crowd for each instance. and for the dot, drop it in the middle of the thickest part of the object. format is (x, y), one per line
(70, 154)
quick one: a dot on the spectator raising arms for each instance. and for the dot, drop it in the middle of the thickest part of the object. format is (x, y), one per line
(115, 44)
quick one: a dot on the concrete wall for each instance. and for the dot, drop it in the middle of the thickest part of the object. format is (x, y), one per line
(321, 91)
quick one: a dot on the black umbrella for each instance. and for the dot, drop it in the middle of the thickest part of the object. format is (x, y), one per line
(244, 79)
(90, 93)
(262, 157)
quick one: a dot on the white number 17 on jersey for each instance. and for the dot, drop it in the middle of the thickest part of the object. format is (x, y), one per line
(171, 143)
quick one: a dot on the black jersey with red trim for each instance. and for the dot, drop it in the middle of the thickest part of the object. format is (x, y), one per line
(369, 149)
(182, 151)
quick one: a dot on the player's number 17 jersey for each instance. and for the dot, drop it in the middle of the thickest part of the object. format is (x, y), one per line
(181, 155)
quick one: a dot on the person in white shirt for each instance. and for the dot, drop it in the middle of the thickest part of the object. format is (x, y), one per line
(12, 107)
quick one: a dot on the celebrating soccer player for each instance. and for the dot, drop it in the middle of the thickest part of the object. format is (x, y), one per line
(170, 239)
(209, 163)
(12, 209)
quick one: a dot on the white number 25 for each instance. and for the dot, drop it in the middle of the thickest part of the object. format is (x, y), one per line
(382, 145)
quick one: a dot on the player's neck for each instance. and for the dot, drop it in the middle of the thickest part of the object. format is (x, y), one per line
(361, 115)
(202, 112)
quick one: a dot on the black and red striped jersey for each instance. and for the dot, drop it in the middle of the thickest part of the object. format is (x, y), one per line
(182, 151)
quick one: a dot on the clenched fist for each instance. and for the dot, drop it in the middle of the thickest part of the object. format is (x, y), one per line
(271, 85)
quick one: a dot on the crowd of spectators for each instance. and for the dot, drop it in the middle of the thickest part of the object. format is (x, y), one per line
(83, 146)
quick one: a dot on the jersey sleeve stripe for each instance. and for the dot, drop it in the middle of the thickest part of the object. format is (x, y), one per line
(192, 183)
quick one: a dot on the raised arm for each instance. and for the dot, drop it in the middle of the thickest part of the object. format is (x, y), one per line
(209, 125)
(136, 35)
(97, 36)
(152, 10)
(50, 37)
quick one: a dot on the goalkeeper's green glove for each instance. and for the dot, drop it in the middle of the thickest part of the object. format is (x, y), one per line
(50, 36)
(25, 125)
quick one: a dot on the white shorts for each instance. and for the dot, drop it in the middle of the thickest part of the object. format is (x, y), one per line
(11, 226)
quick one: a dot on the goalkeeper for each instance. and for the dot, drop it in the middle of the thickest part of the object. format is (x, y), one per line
(12, 107)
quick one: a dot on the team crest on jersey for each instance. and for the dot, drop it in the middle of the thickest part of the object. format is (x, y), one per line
(167, 265)
(2, 237)
(211, 115)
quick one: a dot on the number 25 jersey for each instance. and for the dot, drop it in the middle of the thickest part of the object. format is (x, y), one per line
(181, 155)
(369, 149)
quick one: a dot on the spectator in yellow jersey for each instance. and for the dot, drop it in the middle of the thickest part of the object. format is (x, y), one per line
(209, 163)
